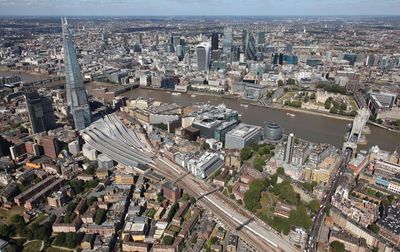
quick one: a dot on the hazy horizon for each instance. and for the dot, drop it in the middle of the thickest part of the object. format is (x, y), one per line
(199, 8)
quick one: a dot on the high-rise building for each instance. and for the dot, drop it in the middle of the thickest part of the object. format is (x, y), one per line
(250, 51)
(236, 53)
(289, 148)
(40, 111)
(157, 39)
(350, 57)
(140, 38)
(244, 39)
(203, 56)
(261, 38)
(281, 59)
(227, 44)
(77, 101)
(214, 41)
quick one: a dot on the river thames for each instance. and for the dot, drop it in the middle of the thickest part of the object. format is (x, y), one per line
(310, 127)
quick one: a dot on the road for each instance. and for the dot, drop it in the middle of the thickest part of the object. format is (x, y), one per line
(128, 147)
(312, 241)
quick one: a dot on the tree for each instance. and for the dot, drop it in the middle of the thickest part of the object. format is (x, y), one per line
(185, 196)
(60, 239)
(280, 171)
(299, 217)
(328, 104)
(192, 200)
(213, 240)
(333, 110)
(264, 150)
(168, 240)
(343, 106)
(280, 83)
(246, 153)
(4, 230)
(206, 146)
(281, 224)
(327, 208)
(71, 206)
(100, 216)
(286, 192)
(160, 197)
(313, 205)
(337, 246)
(41, 232)
(17, 224)
(313, 96)
(353, 113)
(397, 123)
(291, 81)
(172, 211)
(70, 240)
(374, 228)
(68, 217)
(77, 186)
(258, 163)
(252, 200)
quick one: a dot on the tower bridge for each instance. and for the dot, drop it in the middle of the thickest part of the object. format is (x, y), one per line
(356, 130)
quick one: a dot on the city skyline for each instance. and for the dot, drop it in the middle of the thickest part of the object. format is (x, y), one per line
(197, 8)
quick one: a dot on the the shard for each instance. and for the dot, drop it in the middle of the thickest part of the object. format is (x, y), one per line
(77, 101)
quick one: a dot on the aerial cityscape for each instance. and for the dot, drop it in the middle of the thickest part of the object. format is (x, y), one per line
(159, 126)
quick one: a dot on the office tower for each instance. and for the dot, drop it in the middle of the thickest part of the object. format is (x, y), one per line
(350, 57)
(250, 52)
(244, 39)
(370, 60)
(176, 40)
(275, 58)
(214, 41)
(227, 44)
(281, 59)
(157, 39)
(203, 56)
(235, 53)
(40, 111)
(289, 148)
(77, 101)
(179, 52)
(182, 41)
(261, 38)
(141, 38)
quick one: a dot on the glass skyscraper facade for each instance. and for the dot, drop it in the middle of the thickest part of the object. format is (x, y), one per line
(250, 51)
(227, 45)
(77, 101)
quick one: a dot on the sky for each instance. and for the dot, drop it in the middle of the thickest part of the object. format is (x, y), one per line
(197, 7)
